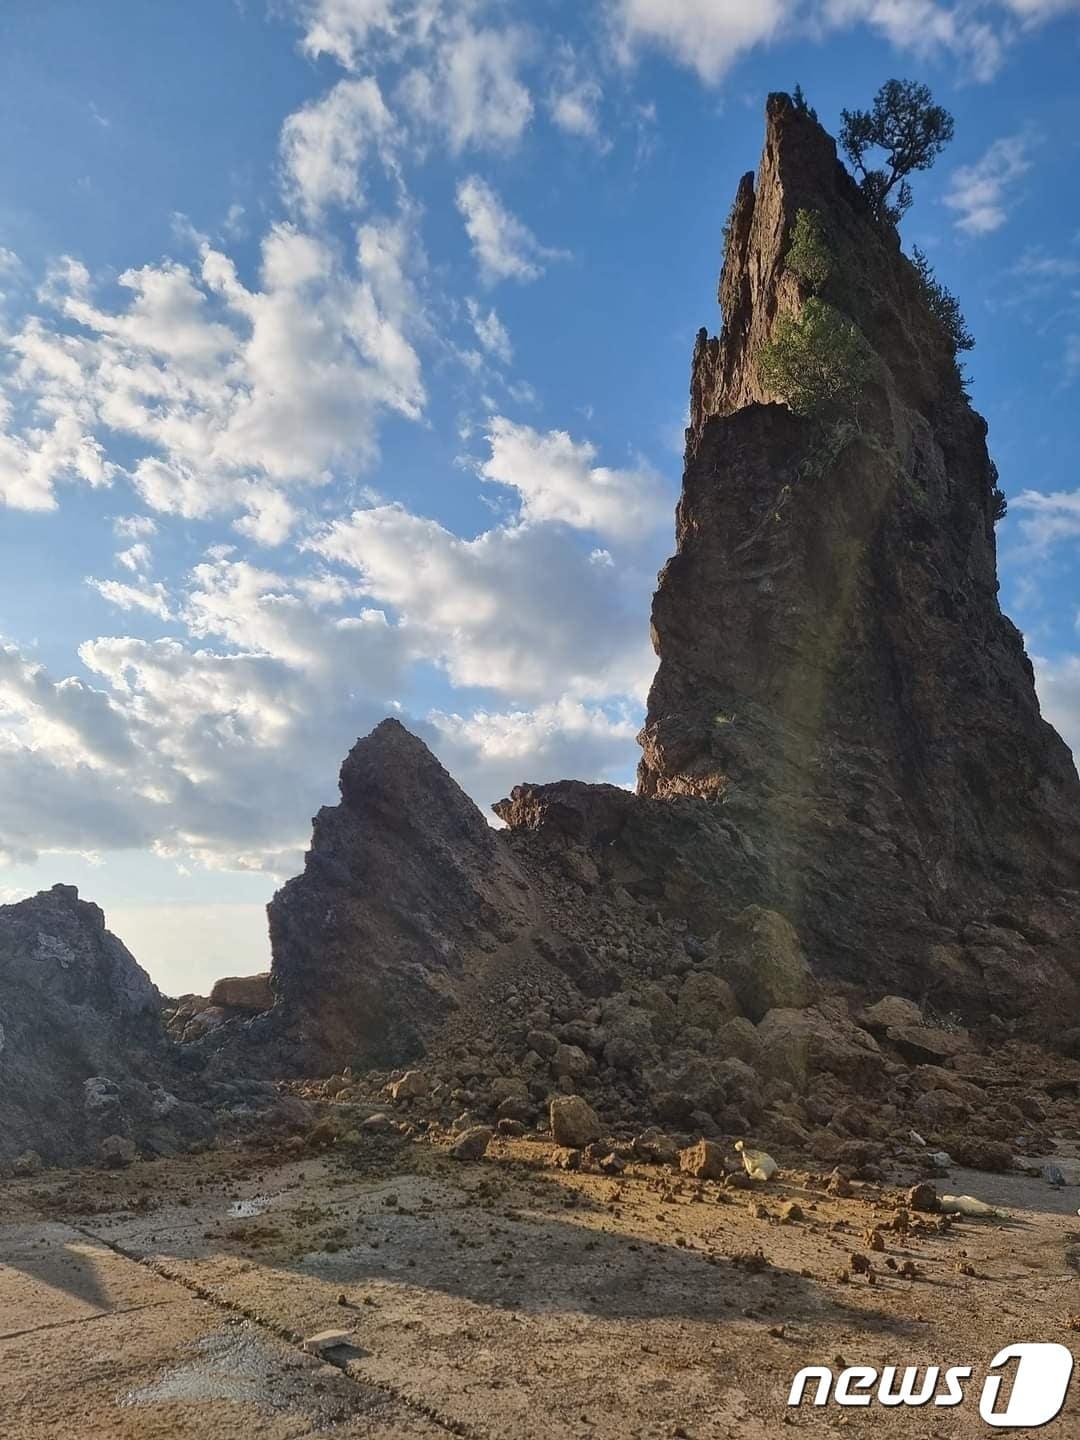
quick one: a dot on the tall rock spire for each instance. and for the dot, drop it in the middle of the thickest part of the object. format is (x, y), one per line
(834, 668)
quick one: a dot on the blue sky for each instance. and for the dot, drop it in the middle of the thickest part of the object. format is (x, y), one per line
(345, 368)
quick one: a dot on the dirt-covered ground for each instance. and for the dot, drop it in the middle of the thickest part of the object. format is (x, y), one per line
(503, 1298)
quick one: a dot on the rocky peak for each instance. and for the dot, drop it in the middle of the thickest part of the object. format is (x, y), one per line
(834, 668)
(403, 884)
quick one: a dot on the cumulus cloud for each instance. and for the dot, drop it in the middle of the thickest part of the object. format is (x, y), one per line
(492, 751)
(325, 145)
(233, 395)
(707, 35)
(558, 480)
(980, 193)
(501, 611)
(505, 248)
(1047, 520)
(927, 29)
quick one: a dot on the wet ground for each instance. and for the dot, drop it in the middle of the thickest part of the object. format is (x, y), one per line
(500, 1299)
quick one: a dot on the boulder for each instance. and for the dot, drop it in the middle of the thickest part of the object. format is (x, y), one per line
(797, 1044)
(571, 1062)
(413, 1085)
(704, 1161)
(655, 1147)
(890, 1011)
(706, 1002)
(770, 972)
(574, 1123)
(243, 992)
(116, 1152)
(922, 1044)
(472, 1144)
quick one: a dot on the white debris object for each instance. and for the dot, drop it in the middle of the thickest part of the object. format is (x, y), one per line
(915, 1137)
(328, 1340)
(756, 1163)
(969, 1206)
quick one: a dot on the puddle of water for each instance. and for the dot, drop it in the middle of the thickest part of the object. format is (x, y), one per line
(240, 1366)
(248, 1209)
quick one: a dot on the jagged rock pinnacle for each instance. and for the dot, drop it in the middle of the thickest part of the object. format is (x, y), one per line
(834, 667)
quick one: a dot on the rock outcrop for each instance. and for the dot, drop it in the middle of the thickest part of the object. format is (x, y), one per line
(835, 674)
(81, 1040)
(404, 889)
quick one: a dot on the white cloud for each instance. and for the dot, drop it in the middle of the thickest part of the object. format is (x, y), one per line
(707, 35)
(469, 90)
(346, 30)
(491, 751)
(1035, 11)
(134, 527)
(135, 558)
(1059, 696)
(574, 99)
(490, 331)
(505, 249)
(558, 480)
(502, 611)
(325, 145)
(234, 395)
(979, 193)
(1047, 520)
(926, 29)
(153, 598)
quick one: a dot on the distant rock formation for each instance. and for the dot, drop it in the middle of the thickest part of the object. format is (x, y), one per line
(74, 1005)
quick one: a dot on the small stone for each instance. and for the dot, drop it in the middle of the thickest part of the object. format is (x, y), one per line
(838, 1184)
(510, 1128)
(28, 1163)
(792, 1212)
(923, 1198)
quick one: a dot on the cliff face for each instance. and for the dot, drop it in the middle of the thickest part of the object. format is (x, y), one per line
(834, 668)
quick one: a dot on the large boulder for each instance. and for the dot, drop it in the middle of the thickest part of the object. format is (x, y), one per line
(706, 1002)
(794, 1045)
(243, 992)
(769, 969)
(574, 1123)
(889, 1011)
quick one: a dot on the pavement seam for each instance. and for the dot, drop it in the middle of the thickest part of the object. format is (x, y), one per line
(85, 1319)
(282, 1333)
